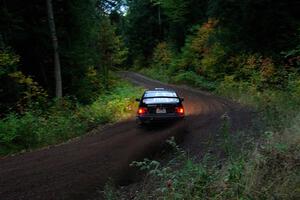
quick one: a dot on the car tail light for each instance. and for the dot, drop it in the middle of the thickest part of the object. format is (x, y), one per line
(180, 110)
(142, 110)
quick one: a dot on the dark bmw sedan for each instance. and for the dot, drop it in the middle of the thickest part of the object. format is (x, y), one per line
(158, 105)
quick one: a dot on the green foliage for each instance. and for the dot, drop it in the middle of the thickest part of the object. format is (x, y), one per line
(240, 91)
(111, 49)
(227, 36)
(35, 129)
(197, 46)
(142, 31)
(86, 40)
(183, 178)
(201, 55)
(90, 86)
(191, 78)
(293, 57)
(110, 192)
(18, 90)
(156, 73)
(272, 172)
(176, 10)
(162, 59)
(259, 25)
(204, 54)
(8, 62)
(162, 56)
(31, 92)
(278, 106)
(111, 53)
(117, 104)
(8, 89)
(212, 64)
(65, 119)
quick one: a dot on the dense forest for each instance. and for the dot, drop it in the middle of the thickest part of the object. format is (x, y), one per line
(55, 59)
(83, 30)
(211, 38)
(58, 61)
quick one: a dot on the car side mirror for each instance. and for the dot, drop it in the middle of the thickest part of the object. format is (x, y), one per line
(181, 99)
(138, 100)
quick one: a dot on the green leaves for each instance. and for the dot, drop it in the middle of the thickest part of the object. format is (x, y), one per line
(8, 62)
(66, 119)
(176, 10)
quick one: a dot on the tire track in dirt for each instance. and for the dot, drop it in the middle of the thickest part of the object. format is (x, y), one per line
(80, 168)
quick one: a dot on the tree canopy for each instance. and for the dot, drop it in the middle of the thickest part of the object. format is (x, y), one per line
(102, 34)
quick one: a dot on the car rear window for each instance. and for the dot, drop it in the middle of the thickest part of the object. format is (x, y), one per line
(150, 94)
(160, 100)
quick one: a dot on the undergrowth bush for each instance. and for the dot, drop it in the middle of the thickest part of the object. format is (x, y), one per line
(117, 104)
(17, 90)
(156, 73)
(35, 129)
(270, 171)
(183, 178)
(191, 78)
(162, 56)
(65, 119)
(277, 107)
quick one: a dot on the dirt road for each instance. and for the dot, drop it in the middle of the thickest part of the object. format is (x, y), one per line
(80, 168)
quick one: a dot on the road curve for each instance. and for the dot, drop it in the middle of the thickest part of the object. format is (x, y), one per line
(80, 168)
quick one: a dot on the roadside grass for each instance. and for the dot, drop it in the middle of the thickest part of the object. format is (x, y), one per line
(267, 169)
(65, 119)
(156, 73)
(192, 79)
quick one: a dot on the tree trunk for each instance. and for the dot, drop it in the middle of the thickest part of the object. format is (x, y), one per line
(57, 68)
(105, 70)
(159, 20)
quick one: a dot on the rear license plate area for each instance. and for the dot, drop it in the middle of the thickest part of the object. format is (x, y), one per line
(161, 111)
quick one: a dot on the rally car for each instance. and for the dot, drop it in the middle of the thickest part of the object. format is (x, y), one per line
(160, 104)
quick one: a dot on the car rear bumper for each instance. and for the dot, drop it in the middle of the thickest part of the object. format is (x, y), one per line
(159, 117)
